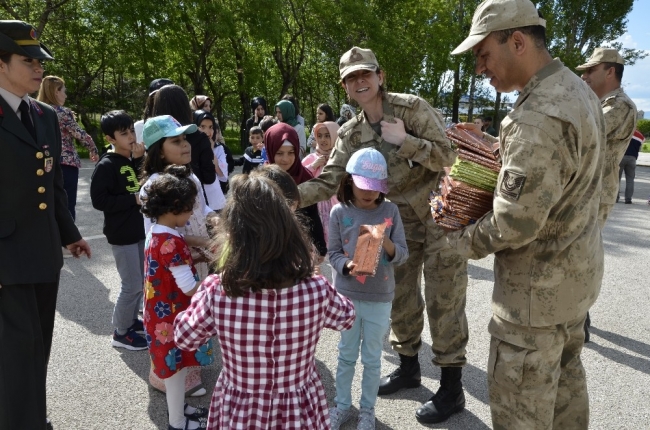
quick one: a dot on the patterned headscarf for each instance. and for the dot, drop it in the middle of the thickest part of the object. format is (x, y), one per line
(347, 108)
(198, 102)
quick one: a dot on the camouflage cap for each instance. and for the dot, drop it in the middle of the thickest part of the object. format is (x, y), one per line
(602, 55)
(495, 15)
(357, 59)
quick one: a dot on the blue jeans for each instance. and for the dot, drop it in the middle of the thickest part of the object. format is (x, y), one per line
(371, 325)
(70, 181)
(129, 260)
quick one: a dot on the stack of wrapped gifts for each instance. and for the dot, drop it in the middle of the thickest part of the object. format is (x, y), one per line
(467, 189)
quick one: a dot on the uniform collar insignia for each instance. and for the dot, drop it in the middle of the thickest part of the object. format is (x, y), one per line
(36, 108)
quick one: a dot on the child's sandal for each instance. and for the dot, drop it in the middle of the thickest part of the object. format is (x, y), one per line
(203, 423)
(198, 412)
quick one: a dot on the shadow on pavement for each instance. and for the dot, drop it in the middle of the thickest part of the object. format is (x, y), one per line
(637, 363)
(83, 298)
(623, 341)
(479, 273)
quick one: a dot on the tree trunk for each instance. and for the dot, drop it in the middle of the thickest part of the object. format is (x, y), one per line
(472, 90)
(497, 108)
(455, 102)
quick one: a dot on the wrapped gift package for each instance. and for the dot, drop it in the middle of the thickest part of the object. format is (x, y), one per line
(368, 249)
(467, 189)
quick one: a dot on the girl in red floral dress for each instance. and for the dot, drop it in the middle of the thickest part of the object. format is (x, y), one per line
(170, 281)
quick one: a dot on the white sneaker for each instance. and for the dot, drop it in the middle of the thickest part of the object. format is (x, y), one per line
(338, 417)
(366, 419)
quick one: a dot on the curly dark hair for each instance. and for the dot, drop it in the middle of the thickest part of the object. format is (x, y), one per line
(173, 191)
(263, 246)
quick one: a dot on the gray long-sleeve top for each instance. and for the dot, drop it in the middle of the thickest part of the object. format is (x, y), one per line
(343, 234)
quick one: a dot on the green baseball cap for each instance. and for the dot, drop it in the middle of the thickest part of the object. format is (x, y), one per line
(164, 126)
(21, 38)
(495, 15)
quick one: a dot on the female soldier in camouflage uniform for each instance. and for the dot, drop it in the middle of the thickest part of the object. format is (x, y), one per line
(410, 135)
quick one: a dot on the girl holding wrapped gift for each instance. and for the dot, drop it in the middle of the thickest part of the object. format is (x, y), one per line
(170, 281)
(361, 193)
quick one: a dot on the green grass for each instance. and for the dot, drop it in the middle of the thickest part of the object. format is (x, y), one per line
(233, 141)
(646, 146)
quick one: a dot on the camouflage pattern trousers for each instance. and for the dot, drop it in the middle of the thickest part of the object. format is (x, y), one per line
(445, 292)
(604, 209)
(535, 376)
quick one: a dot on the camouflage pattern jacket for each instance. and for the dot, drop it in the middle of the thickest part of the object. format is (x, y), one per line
(543, 229)
(414, 168)
(620, 122)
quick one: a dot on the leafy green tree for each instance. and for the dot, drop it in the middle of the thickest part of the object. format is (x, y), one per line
(576, 27)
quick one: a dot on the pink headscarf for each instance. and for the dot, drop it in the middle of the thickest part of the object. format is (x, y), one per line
(333, 128)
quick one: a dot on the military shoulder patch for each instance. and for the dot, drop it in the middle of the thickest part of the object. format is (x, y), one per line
(355, 139)
(512, 184)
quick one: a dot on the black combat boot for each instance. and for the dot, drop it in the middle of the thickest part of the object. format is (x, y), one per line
(449, 399)
(407, 375)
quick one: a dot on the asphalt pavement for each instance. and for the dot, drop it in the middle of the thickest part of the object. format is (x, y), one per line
(92, 385)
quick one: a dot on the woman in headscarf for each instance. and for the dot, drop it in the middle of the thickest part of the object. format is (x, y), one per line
(201, 103)
(282, 148)
(325, 134)
(286, 112)
(258, 106)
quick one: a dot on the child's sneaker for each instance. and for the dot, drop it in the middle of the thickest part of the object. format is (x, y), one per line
(366, 419)
(138, 326)
(338, 417)
(131, 341)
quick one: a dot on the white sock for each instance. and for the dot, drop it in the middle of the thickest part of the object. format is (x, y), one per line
(189, 409)
(175, 387)
(191, 425)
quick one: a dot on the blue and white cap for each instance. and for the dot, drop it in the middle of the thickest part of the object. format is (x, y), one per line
(368, 169)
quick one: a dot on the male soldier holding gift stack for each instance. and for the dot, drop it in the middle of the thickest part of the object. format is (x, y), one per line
(603, 73)
(543, 229)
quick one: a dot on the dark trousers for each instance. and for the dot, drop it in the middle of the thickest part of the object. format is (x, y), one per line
(26, 326)
(628, 165)
(70, 181)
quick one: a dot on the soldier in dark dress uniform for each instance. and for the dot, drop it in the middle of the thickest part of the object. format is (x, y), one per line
(34, 224)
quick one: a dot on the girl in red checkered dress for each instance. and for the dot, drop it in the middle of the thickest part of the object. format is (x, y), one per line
(267, 310)
(170, 281)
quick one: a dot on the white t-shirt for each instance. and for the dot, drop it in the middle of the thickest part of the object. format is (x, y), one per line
(200, 205)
